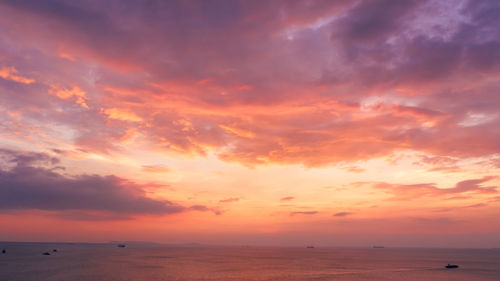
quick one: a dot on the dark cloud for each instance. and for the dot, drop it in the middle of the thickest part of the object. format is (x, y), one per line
(24, 186)
(90, 216)
(303, 213)
(434, 220)
(457, 208)
(203, 208)
(373, 20)
(27, 158)
(384, 38)
(342, 214)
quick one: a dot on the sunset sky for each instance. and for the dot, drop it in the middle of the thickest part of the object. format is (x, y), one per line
(334, 123)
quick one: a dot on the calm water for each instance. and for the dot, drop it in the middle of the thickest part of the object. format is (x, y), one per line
(79, 262)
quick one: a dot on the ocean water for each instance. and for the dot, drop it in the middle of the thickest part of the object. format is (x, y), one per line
(99, 262)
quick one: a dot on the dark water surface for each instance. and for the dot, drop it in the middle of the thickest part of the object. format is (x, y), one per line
(86, 262)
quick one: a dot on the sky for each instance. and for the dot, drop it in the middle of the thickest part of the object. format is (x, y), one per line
(333, 123)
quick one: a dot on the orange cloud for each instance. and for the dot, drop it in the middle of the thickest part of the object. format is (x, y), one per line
(10, 73)
(70, 93)
(324, 85)
(155, 168)
(121, 114)
(238, 132)
(304, 213)
(414, 191)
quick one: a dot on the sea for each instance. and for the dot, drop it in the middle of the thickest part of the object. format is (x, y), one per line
(107, 262)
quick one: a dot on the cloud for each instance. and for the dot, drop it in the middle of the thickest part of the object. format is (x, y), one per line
(303, 213)
(26, 158)
(155, 168)
(203, 208)
(373, 20)
(354, 169)
(74, 92)
(90, 216)
(198, 78)
(288, 198)
(25, 186)
(342, 214)
(436, 160)
(455, 208)
(10, 73)
(229, 200)
(439, 163)
(431, 221)
(494, 199)
(412, 191)
(120, 114)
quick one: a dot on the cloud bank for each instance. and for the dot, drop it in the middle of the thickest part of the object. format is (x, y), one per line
(32, 183)
(324, 82)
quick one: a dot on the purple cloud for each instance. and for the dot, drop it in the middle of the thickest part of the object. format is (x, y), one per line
(342, 214)
(24, 186)
(229, 200)
(303, 213)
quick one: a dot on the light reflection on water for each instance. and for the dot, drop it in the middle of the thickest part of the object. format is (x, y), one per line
(82, 262)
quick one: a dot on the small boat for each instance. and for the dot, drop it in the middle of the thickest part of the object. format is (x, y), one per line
(451, 266)
(378, 247)
(46, 254)
(121, 246)
(55, 250)
(310, 247)
(3, 251)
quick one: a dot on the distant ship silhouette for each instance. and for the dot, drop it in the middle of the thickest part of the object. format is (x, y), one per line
(121, 246)
(378, 247)
(310, 247)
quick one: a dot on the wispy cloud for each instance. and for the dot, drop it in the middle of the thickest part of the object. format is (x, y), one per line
(303, 213)
(342, 214)
(155, 168)
(11, 73)
(229, 200)
(413, 191)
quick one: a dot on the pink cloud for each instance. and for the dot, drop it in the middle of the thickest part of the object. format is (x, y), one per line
(303, 213)
(309, 112)
(229, 200)
(413, 191)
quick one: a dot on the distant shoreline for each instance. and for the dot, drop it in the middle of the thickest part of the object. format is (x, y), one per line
(144, 243)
